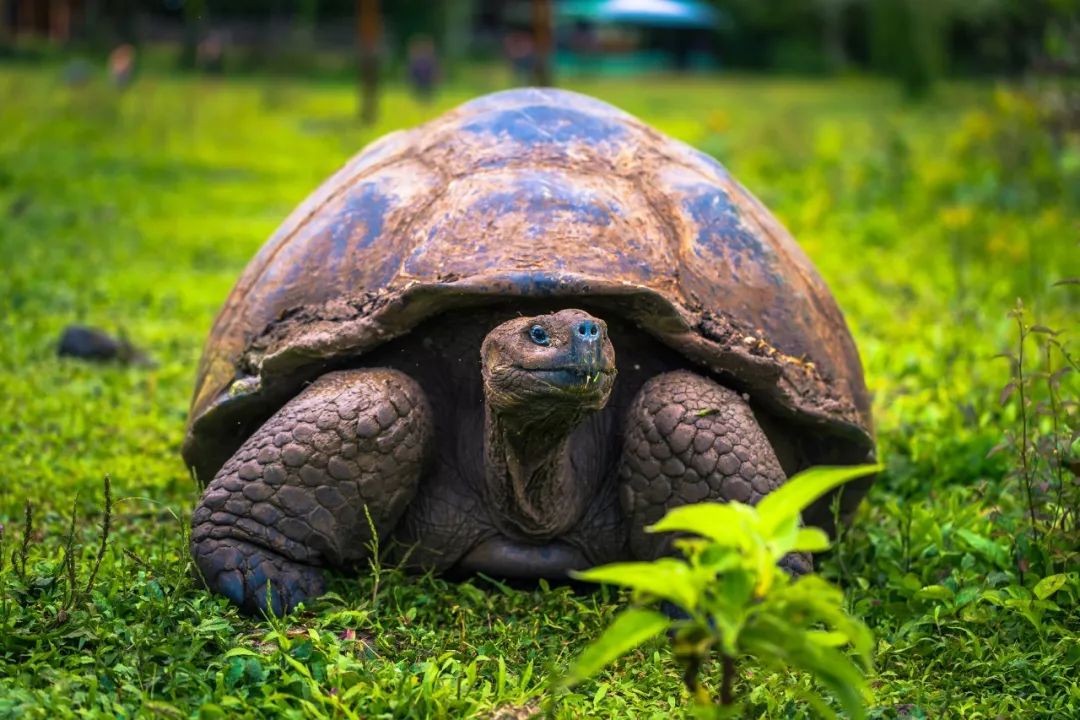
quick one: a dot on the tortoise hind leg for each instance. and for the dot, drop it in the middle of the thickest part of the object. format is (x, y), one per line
(690, 439)
(292, 498)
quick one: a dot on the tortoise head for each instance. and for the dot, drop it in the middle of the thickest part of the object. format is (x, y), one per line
(548, 367)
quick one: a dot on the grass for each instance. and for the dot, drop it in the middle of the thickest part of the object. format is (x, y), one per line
(136, 213)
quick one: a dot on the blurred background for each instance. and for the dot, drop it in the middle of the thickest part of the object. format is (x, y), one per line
(925, 153)
(914, 41)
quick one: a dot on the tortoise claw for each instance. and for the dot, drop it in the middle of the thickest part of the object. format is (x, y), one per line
(256, 579)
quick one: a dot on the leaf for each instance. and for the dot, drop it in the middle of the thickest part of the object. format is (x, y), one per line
(984, 546)
(791, 498)
(811, 539)
(935, 592)
(773, 640)
(1043, 330)
(1006, 393)
(1055, 378)
(727, 524)
(237, 651)
(1049, 585)
(828, 638)
(664, 578)
(631, 628)
(1004, 444)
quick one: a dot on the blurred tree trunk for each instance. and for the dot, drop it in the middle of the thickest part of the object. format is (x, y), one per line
(542, 36)
(908, 41)
(60, 21)
(123, 16)
(369, 29)
(194, 17)
(5, 29)
(90, 22)
(458, 26)
(24, 18)
(307, 22)
(832, 26)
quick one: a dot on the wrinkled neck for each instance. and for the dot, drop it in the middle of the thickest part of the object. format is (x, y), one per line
(529, 473)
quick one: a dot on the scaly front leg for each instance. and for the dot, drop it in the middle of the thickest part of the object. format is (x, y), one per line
(292, 498)
(688, 440)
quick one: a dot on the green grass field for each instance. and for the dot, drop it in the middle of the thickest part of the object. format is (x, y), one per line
(137, 212)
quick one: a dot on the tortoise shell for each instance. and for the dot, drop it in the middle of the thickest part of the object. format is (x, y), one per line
(531, 194)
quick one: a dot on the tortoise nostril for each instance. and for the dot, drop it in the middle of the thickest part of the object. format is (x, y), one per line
(588, 329)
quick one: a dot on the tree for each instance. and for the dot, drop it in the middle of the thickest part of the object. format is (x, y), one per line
(542, 40)
(5, 30)
(908, 41)
(369, 29)
(194, 17)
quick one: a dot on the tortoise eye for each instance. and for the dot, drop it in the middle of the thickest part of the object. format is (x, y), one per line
(539, 335)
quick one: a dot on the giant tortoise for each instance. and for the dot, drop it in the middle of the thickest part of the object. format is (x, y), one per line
(507, 341)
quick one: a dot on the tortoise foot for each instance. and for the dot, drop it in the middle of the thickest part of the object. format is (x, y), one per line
(258, 580)
(797, 564)
(305, 490)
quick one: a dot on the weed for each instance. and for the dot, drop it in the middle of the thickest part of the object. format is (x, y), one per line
(737, 600)
(1046, 428)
